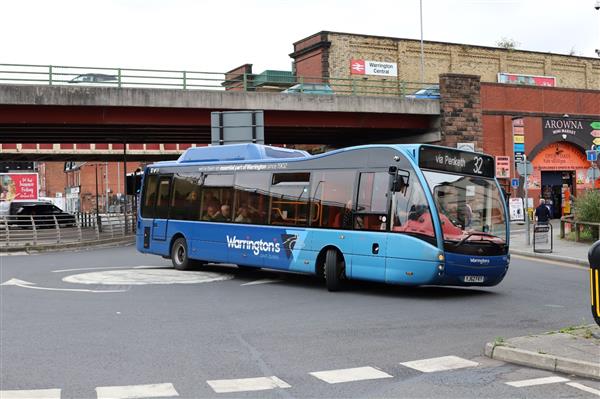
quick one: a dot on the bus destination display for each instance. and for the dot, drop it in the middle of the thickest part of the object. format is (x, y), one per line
(456, 161)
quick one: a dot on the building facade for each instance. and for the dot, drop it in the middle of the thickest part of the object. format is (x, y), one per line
(329, 55)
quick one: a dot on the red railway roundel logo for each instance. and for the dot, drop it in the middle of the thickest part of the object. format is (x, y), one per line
(357, 67)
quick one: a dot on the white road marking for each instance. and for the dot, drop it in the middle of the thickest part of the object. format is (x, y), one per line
(584, 388)
(31, 394)
(536, 381)
(247, 384)
(106, 268)
(27, 284)
(550, 261)
(146, 276)
(262, 281)
(440, 364)
(137, 391)
(348, 375)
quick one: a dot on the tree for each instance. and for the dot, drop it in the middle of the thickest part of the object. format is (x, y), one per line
(508, 43)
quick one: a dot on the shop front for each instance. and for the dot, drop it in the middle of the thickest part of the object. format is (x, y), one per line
(561, 170)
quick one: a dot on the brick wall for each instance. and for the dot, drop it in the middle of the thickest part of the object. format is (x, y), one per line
(487, 62)
(460, 109)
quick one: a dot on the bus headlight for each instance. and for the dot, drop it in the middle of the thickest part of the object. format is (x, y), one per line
(441, 267)
(441, 257)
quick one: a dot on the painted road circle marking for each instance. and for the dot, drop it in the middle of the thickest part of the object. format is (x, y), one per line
(146, 277)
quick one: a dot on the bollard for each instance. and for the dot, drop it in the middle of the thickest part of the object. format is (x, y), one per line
(594, 258)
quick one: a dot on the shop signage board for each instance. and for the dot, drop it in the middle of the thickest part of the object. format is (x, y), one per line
(531, 80)
(502, 167)
(517, 139)
(523, 167)
(514, 183)
(515, 206)
(19, 187)
(377, 68)
(592, 155)
(582, 131)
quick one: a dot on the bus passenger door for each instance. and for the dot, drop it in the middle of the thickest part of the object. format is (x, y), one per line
(369, 245)
(161, 211)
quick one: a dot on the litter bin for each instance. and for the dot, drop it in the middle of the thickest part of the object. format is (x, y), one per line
(594, 258)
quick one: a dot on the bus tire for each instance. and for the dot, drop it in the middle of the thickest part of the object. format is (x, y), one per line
(335, 271)
(179, 255)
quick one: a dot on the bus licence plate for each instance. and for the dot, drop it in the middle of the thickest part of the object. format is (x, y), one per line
(474, 279)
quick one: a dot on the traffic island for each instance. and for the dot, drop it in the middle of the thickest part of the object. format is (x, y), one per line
(571, 350)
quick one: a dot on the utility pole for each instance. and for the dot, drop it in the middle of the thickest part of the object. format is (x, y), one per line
(422, 51)
(98, 220)
(526, 200)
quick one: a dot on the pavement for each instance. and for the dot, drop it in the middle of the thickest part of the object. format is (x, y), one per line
(563, 250)
(573, 350)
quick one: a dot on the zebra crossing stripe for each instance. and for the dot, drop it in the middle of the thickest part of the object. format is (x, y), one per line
(247, 384)
(31, 394)
(440, 364)
(137, 391)
(349, 375)
(584, 388)
(536, 381)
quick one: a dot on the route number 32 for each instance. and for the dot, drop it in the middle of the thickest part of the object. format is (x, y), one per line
(478, 165)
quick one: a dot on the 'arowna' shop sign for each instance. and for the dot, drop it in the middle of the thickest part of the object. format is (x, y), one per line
(565, 128)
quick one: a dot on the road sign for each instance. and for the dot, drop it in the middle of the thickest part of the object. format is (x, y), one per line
(523, 167)
(514, 183)
(595, 133)
(593, 174)
(519, 147)
(519, 157)
(592, 155)
(595, 125)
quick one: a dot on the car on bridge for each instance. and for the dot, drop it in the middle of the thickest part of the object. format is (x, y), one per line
(94, 78)
(310, 88)
(429, 92)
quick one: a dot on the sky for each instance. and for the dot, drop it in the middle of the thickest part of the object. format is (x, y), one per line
(221, 35)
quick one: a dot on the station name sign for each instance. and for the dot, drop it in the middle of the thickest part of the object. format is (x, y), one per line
(456, 161)
(379, 68)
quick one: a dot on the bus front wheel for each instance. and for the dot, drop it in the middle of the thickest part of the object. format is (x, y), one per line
(179, 255)
(335, 271)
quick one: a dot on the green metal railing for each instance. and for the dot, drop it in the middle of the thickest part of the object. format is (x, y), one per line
(268, 81)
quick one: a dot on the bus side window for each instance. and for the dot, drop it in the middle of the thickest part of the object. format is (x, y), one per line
(289, 199)
(251, 197)
(162, 201)
(331, 197)
(149, 196)
(372, 201)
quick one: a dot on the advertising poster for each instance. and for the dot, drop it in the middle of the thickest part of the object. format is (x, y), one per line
(18, 187)
(502, 167)
(515, 207)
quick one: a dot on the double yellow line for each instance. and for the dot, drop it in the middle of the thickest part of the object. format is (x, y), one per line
(595, 291)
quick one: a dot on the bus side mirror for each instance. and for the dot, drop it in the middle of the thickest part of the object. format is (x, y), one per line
(400, 181)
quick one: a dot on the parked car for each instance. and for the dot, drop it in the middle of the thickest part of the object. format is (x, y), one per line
(432, 92)
(94, 78)
(310, 88)
(43, 215)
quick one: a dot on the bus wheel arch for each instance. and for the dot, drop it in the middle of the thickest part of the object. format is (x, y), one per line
(331, 267)
(179, 252)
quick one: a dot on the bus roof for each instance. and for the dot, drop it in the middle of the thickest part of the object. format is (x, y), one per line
(249, 152)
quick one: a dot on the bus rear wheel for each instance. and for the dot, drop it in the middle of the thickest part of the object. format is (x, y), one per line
(179, 255)
(335, 270)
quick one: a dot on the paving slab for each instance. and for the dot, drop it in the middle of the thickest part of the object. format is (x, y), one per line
(573, 350)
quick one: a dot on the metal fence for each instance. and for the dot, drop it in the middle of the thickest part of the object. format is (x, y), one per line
(39, 230)
(195, 80)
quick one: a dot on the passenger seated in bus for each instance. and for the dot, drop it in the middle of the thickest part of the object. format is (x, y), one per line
(276, 216)
(243, 215)
(226, 212)
(213, 213)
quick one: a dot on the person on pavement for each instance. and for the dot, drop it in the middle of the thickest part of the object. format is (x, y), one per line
(542, 214)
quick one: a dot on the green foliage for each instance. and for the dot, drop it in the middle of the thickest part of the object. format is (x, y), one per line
(508, 43)
(587, 207)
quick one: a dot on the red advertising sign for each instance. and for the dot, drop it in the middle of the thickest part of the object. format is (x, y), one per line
(502, 167)
(18, 187)
(532, 80)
